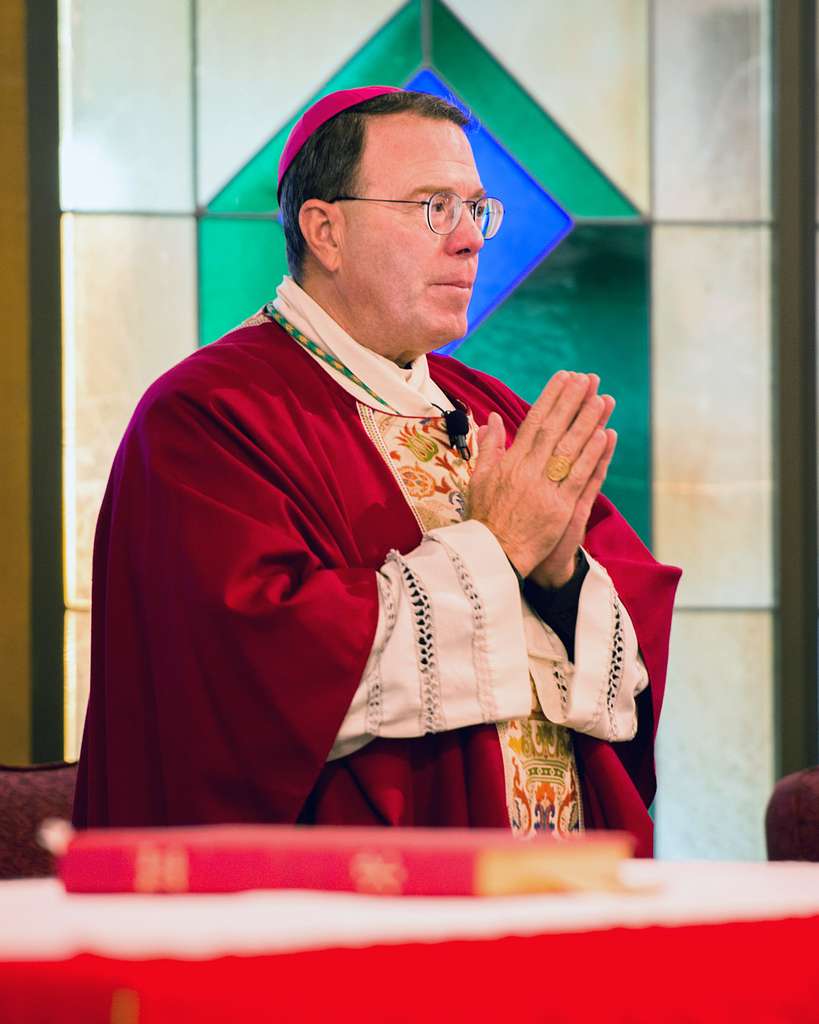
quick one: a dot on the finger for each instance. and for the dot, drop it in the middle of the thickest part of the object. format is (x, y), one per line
(491, 444)
(598, 477)
(496, 426)
(585, 464)
(608, 408)
(611, 444)
(586, 421)
(580, 431)
(595, 483)
(565, 409)
(592, 389)
(491, 434)
(594, 384)
(543, 405)
(576, 529)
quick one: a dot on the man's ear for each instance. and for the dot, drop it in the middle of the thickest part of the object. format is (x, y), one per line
(322, 225)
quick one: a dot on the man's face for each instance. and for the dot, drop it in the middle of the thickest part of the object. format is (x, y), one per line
(404, 283)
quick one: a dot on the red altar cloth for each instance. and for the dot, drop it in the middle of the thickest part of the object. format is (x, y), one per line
(750, 971)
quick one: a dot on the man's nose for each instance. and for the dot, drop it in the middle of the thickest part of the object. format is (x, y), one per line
(467, 236)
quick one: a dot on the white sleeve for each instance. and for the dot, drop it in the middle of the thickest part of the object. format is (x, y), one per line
(449, 649)
(597, 693)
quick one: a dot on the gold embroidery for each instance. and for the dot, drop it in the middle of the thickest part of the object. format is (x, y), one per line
(368, 421)
(421, 445)
(418, 482)
(437, 489)
(543, 788)
(255, 320)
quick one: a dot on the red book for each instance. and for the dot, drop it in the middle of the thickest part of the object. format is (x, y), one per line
(388, 861)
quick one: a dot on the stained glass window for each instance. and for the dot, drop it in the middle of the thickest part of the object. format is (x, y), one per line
(711, 124)
(126, 135)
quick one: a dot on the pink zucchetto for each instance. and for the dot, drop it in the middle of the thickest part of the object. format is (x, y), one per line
(322, 110)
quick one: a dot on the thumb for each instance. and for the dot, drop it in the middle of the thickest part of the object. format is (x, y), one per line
(491, 443)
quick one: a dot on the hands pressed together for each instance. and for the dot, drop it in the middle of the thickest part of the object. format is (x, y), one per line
(540, 522)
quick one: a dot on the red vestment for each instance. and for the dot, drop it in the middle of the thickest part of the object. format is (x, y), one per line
(235, 605)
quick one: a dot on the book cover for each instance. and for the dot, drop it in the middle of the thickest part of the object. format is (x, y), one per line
(386, 861)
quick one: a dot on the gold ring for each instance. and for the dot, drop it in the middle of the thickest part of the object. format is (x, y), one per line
(558, 468)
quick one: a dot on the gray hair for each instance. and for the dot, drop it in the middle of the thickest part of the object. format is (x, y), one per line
(327, 164)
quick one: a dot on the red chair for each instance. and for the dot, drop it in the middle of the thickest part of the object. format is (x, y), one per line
(28, 796)
(792, 818)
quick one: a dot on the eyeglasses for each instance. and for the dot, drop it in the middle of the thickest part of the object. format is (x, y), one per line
(444, 211)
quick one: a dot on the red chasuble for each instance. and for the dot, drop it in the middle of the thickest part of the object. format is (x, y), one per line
(235, 605)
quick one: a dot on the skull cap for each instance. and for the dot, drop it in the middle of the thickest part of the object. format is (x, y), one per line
(321, 111)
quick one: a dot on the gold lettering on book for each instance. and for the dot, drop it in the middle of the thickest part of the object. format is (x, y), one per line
(380, 873)
(161, 869)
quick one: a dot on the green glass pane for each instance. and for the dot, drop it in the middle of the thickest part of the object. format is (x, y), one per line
(241, 263)
(585, 308)
(520, 124)
(389, 58)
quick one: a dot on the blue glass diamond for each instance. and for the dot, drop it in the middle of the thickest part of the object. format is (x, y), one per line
(533, 225)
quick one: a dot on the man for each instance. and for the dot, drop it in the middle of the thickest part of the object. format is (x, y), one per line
(336, 581)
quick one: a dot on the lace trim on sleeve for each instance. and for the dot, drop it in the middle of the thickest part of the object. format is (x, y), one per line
(375, 684)
(480, 636)
(616, 664)
(562, 686)
(432, 717)
(607, 695)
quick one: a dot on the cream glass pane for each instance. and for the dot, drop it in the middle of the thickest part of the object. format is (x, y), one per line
(257, 63)
(711, 109)
(715, 742)
(712, 413)
(126, 140)
(77, 680)
(129, 288)
(586, 63)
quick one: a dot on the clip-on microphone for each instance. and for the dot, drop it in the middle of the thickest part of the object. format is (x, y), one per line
(457, 427)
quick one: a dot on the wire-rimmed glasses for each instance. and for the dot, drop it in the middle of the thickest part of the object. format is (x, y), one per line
(444, 211)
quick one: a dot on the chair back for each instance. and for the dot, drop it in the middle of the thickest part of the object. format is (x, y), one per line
(792, 818)
(27, 796)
